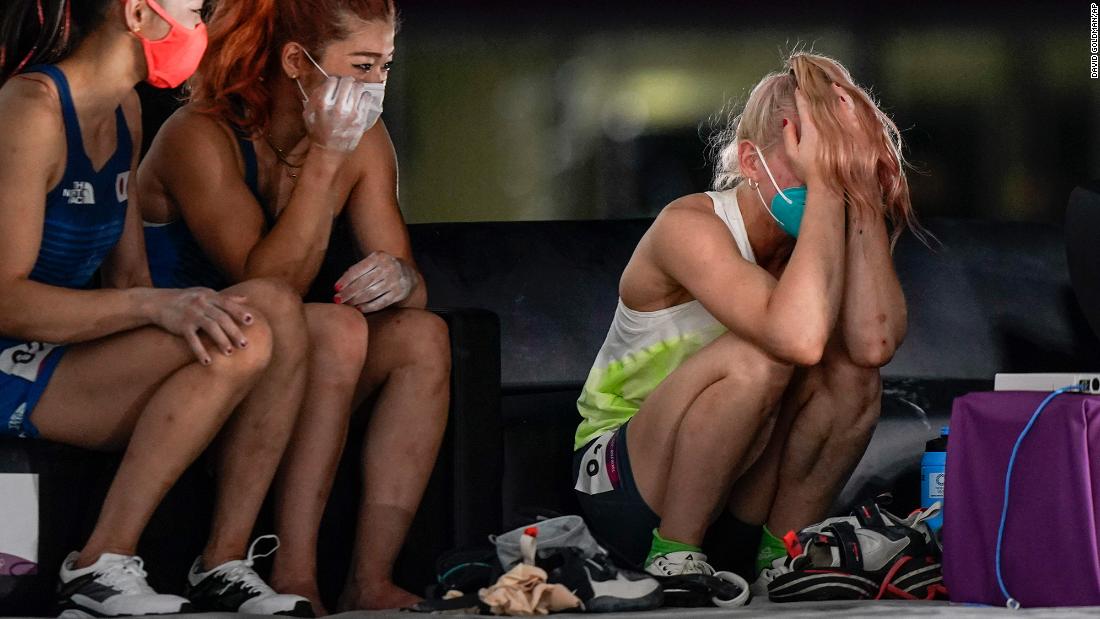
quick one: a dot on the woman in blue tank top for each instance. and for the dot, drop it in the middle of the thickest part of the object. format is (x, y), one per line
(278, 164)
(106, 362)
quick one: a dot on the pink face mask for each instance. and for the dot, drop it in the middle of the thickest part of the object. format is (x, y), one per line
(174, 58)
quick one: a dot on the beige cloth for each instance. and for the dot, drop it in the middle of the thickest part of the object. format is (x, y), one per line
(523, 592)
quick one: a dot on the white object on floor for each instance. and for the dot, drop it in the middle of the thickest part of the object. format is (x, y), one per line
(19, 515)
(1088, 383)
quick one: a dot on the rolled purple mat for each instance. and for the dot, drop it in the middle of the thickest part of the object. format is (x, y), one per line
(11, 565)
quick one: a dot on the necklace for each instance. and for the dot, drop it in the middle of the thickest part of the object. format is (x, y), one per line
(281, 155)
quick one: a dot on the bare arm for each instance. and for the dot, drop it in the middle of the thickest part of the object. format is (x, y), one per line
(196, 161)
(874, 318)
(791, 318)
(388, 276)
(31, 161)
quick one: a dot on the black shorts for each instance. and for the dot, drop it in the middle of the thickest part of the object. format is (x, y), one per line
(613, 508)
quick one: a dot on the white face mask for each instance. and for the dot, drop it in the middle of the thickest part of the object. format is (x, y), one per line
(377, 93)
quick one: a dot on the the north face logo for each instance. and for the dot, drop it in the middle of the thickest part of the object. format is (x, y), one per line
(81, 193)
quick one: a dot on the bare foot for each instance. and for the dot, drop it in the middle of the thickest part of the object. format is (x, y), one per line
(307, 590)
(377, 596)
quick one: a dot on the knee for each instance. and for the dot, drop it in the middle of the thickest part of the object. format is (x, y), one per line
(279, 303)
(246, 364)
(750, 368)
(426, 341)
(339, 338)
(746, 371)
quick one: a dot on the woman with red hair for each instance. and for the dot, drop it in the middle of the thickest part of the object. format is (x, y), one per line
(279, 158)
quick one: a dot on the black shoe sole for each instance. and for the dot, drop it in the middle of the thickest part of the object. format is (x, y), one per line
(609, 604)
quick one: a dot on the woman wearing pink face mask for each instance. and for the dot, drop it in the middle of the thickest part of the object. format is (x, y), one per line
(111, 363)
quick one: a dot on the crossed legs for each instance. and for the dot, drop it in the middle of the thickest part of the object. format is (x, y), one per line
(144, 392)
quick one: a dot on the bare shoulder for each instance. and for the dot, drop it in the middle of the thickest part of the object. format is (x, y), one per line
(375, 150)
(688, 222)
(189, 124)
(376, 139)
(30, 110)
(193, 136)
(687, 225)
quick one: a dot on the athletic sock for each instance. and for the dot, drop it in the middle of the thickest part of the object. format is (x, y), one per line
(771, 548)
(662, 546)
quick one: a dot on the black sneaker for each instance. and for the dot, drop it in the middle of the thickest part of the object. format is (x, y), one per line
(601, 587)
(113, 586)
(879, 556)
(234, 587)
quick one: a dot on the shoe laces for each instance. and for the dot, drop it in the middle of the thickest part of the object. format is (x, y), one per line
(126, 575)
(603, 566)
(242, 572)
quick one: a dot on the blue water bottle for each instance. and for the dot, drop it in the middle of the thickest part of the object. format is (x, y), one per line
(932, 473)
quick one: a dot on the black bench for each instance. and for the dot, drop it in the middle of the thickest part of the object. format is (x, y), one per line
(994, 297)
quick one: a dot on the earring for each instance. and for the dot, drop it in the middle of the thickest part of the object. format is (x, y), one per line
(753, 184)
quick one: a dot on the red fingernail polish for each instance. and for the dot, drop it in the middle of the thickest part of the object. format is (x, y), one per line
(248, 319)
(244, 343)
(337, 299)
(784, 122)
(338, 287)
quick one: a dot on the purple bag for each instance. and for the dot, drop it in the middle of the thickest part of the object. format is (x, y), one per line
(1050, 553)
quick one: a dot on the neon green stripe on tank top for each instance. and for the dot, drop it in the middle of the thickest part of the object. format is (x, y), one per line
(612, 395)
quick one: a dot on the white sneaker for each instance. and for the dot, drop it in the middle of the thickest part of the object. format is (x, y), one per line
(113, 586)
(679, 564)
(234, 587)
(693, 565)
(778, 568)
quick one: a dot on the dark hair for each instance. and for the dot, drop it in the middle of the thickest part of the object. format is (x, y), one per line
(246, 38)
(44, 31)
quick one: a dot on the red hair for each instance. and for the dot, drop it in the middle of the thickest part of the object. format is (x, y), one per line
(244, 54)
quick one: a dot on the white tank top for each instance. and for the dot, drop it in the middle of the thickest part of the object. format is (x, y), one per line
(643, 348)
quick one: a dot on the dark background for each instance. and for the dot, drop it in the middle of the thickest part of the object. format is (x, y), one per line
(570, 109)
(511, 110)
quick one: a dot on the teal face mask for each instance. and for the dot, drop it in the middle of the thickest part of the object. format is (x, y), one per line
(787, 204)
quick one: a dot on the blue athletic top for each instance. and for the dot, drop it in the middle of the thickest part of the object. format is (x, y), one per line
(175, 258)
(84, 218)
(86, 211)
